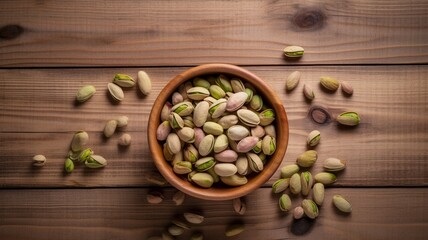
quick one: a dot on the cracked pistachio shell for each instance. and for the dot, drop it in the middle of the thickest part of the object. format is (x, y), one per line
(248, 118)
(270, 130)
(200, 82)
(236, 101)
(186, 134)
(110, 128)
(237, 132)
(325, 178)
(334, 164)
(96, 161)
(233, 144)
(268, 145)
(256, 102)
(224, 83)
(217, 108)
(234, 230)
(348, 119)
(199, 135)
(123, 80)
(203, 164)
(206, 146)
(228, 121)
(116, 92)
(307, 159)
(144, 82)
(178, 157)
(183, 108)
(329, 83)
(237, 85)
(197, 93)
(284, 202)
(295, 184)
(254, 162)
(306, 182)
(217, 92)
(280, 185)
(212, 128)
(85, 155)
(183, 88)
(68, 165)
(175, 230)
(313, 138)
(204, 180)
(258, 131)
(288, 170)
(267, 117)
(298, 212)
(178, 198)
(167, 153)
(193, 217)
(176, 98)
(318, 193)
(200, 113)
(154, 197)
(239, 205)
(173, 143)
(342, 204)
(258, 148)
(226, 156)
(156, 178)
(247, 144)
(85, 92)
(210, 100)
(39, 160)
(163, 130)
(182, 167)
(166, 110)
(175, 121)
(347, 87)
(221, 143)
(310, 208)
(190, 153)
(292, 80)
(308, 92)
(225, 169)
(234, 180)
(242, 165)
(80, 139)
(250, 94)
(293, 51)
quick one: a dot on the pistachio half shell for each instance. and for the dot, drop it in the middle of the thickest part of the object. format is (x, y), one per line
(80, 139)
(224, 83)
(293, 51)
(268, 145)
(217, 108)
(204, 164)
(348, 119)
(313, 138)
(280, 185)
(175, 121)
(267, 116)
(256, 102)
(284, 202)
(123, 80)
(306, 182)
(190, 153)
(115, 91)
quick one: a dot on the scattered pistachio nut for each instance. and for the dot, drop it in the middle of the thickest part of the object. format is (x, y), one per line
(292, 80)
(156, 178)
(288, 170)
(68, 165)
(298, 212)
(124, 140)
(234, 230)
(306, 182)
(318, 193)
(280, 185)
(293, 51)
(314, 138)
(284, 203)
(181, 222)
(329, 83)
(342, 204)
(116, 92)
(308, 92)
(84, 155)
(85, 92)
(193, 217)
(334, 164)
(295, 184)
(310, 208)
(348, 119)
(123, 80)
(175, 230)
(178, 198)
(110, 128)
(325, 178)
(347, 87)
(39, 160)
(80, 139)
(307, 159)
(239, 205)
(96, 161)
(154, 197)
(122, 121)
(144, 82)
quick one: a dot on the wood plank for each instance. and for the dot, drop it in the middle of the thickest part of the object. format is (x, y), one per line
(388, 213)
(38, 117)
(163, 33)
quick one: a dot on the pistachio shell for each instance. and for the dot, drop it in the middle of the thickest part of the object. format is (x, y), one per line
(228, 121)
(258, 131)
(80, 139)
(166, 110)
(182, 167)
(203, 164)
(175, 121)
(197, 93)
(200, 82)
(293, 80)
(247, 117)
(144, 82)
(254, 162)
(313, 138)
(226, 156)
(329, 83)
(177, 98)
(237, 85)
(123, 80)
(221, 143)
(217, 108)
(270, 130)
(284, 202)
(206, 146)
(293, 51)
(85, 155)
(186, 134)
(173, 143)
(288, 170)
(306, 182)
(239, 205)
(334, 164)
(308, 92)
(325, 178)
(178, 198)
(310, 208)
(268, 145)
(236, 101)
(242, 166)
(116, 92)
(199, 135)
(188, 122)
(295, 184)
(342, 204)
(307, 159)
(68, 165)
(96, 161)
(348, 119)
(280, 185)
(234, 230)
(347, 88)
(224, 83)
(204, 180)
(190, 153)
(234, 180)
(167, 153)
(163, 130)
(39, 160)
(212, 128)
(200, 113)
(193, 217)
(110, 128)
(256, 102)
(237, 132)
(217, 92)
(249, 93)
(225, 169)
(85, 92)
(183, 108)
(246, 144)
(318, 193)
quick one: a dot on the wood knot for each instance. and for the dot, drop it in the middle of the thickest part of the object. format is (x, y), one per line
(11, 31)
(320, 114)
(309, 19)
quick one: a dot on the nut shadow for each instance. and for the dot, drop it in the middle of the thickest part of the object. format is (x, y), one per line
(302, 226)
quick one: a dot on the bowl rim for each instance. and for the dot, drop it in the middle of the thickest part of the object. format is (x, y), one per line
(164, 167)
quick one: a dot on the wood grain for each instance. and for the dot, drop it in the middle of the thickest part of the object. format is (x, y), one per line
(177, 33)
(39, 117)
(123, 213)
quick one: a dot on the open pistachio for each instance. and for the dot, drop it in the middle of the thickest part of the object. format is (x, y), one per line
(280, 185)
(166, 110)
(256, 102)
(182, 167)
(284, 202)
(266, 117)
(334, 164)
(293, 80)
(293, 51)
(295, 184)
(247, 117)
(163, 130)
(237, 132)
(144, 82)
(80, 139)
(204, 180)
(236, 101)
(207, 145)
(212, 128)
(197, 93)
(237, 85)
(74, 156)
(203, 164)
(329, 83)
(216, 92)
(348, 119)
(225, 169)
(85, 155)
(307, 159)
(310, 208)
(318, 193)
(268, 145)
(200, 114)
(306, 181)
(39, 160)
(250, 94)
(247, 144)
(186, 134)
(342, 204)
(116, 92)
(325, 178)
(234, 180)
(313, 138)
(123, 80)
(168, 155)
(85, 92)
(96, 161)
(254, 162)
(288, 170)
(226, 156)
(221, 143)
(258, 147)
(173, 143)
(224, 83)
(183, 108)
(217, 108)
(228, 121)
(242, 166)
(200, 82)
(190, 153)
(68, 165)
(239, 205)
(175, 121)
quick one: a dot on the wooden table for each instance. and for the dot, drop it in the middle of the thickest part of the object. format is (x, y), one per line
(48, 49)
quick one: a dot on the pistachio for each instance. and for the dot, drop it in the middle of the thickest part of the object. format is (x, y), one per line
(306, 182)
(221, 143)
(224, 83)
(307, 159)
(210, 100)
(173, 143)
(342, 204)
(163, 130)
(266, 117)
(348, 119)
(313, 138)
(228, 121)
(116, 92)
(234, 180)
(226, 156)
(183, 88)
(284, 202)
(334, 164)
(178, 157)
(181, 222)
(233, 145)
(234, 230)
(39, 160)
(295, 184)
(257, 131)
(268, 145)
(186, 134)
(96, 161)
(74, 156)
(175, 230)
(298, 212)
(190, 153)
(178, 198)
(318, 193)
(144, 82)
(188, 122)
(175, 121)
(292, 80)
(250, 94)
(166, 110)
(308, 92)
(237, 85)
(183, 108)
(225, 169)
(270, 130)
(217, 108)
(204, 180)
(124, 140)
(347, 88)
(156, 178)
(177, 98)
(206, 146)
(237, 132)
(242, 166)
(256, 102)
(197, 236)
(68, 165)
(246, 144)
(199, 135)
(200, 113)
(236, 101)
(123, 80)
(211, 172)
(205, 163)
(325, 178)
(217, 92)
(288, 170)
(197, 93)
(200, 82)
(310, 208)
(110, 128)
(182, 167)
(254, 162)
(80, 139)
(258, 147)
(167, 153)
(247, 117)
(280, 185)
(293, 51)
(212, 128)
(85, 155)
(85, 92)
(329, 83)
(122, 121)
(239, 205)
(193, 217)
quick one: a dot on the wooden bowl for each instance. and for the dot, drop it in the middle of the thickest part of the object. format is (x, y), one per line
(255, 180)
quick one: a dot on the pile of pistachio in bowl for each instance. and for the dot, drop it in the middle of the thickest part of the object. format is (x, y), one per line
(217, 129)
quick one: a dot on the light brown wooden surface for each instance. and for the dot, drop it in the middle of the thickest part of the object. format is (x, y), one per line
(174, 33)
